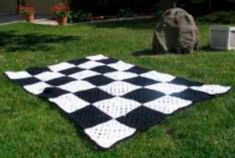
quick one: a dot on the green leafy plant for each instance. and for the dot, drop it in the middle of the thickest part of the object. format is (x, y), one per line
(126, 13)
(78, 16)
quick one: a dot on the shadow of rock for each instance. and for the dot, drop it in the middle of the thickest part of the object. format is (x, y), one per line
(145, 52)
(206, 48)
(209, 49)
(13, 41)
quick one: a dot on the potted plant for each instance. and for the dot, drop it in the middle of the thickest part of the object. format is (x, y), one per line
(28, 12)
(61, 11)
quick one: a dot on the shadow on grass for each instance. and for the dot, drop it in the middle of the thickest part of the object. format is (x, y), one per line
(11, 41)
(150, 52)
(145, 52)
(132, 24)
(207, 48)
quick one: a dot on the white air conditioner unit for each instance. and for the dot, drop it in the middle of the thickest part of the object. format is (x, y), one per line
(222, 37)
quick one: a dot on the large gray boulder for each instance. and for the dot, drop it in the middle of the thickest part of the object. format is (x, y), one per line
(176, 32)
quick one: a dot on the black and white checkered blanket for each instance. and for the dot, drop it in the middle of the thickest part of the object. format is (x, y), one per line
(110, 99)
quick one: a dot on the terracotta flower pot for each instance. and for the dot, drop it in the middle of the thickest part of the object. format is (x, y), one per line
(29, 18)
(62, 21)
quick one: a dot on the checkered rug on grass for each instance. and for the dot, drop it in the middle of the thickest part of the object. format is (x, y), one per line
(109, 99)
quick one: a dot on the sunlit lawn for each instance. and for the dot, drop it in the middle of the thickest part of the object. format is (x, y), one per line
(31, 127)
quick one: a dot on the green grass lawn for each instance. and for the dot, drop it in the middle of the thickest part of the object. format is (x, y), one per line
(31, 127)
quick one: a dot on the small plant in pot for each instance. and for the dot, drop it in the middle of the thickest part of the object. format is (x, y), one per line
(28, 12)
(61, 11)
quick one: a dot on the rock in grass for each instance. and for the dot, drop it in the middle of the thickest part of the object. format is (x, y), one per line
(176, 32)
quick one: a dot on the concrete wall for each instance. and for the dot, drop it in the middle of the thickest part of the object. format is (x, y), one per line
(42, 6)
(8, 5)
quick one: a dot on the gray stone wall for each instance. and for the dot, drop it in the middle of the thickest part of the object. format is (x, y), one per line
(42, 6)
(8, 6)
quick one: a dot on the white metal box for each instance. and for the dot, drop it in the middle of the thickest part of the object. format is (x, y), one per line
(222, 37)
